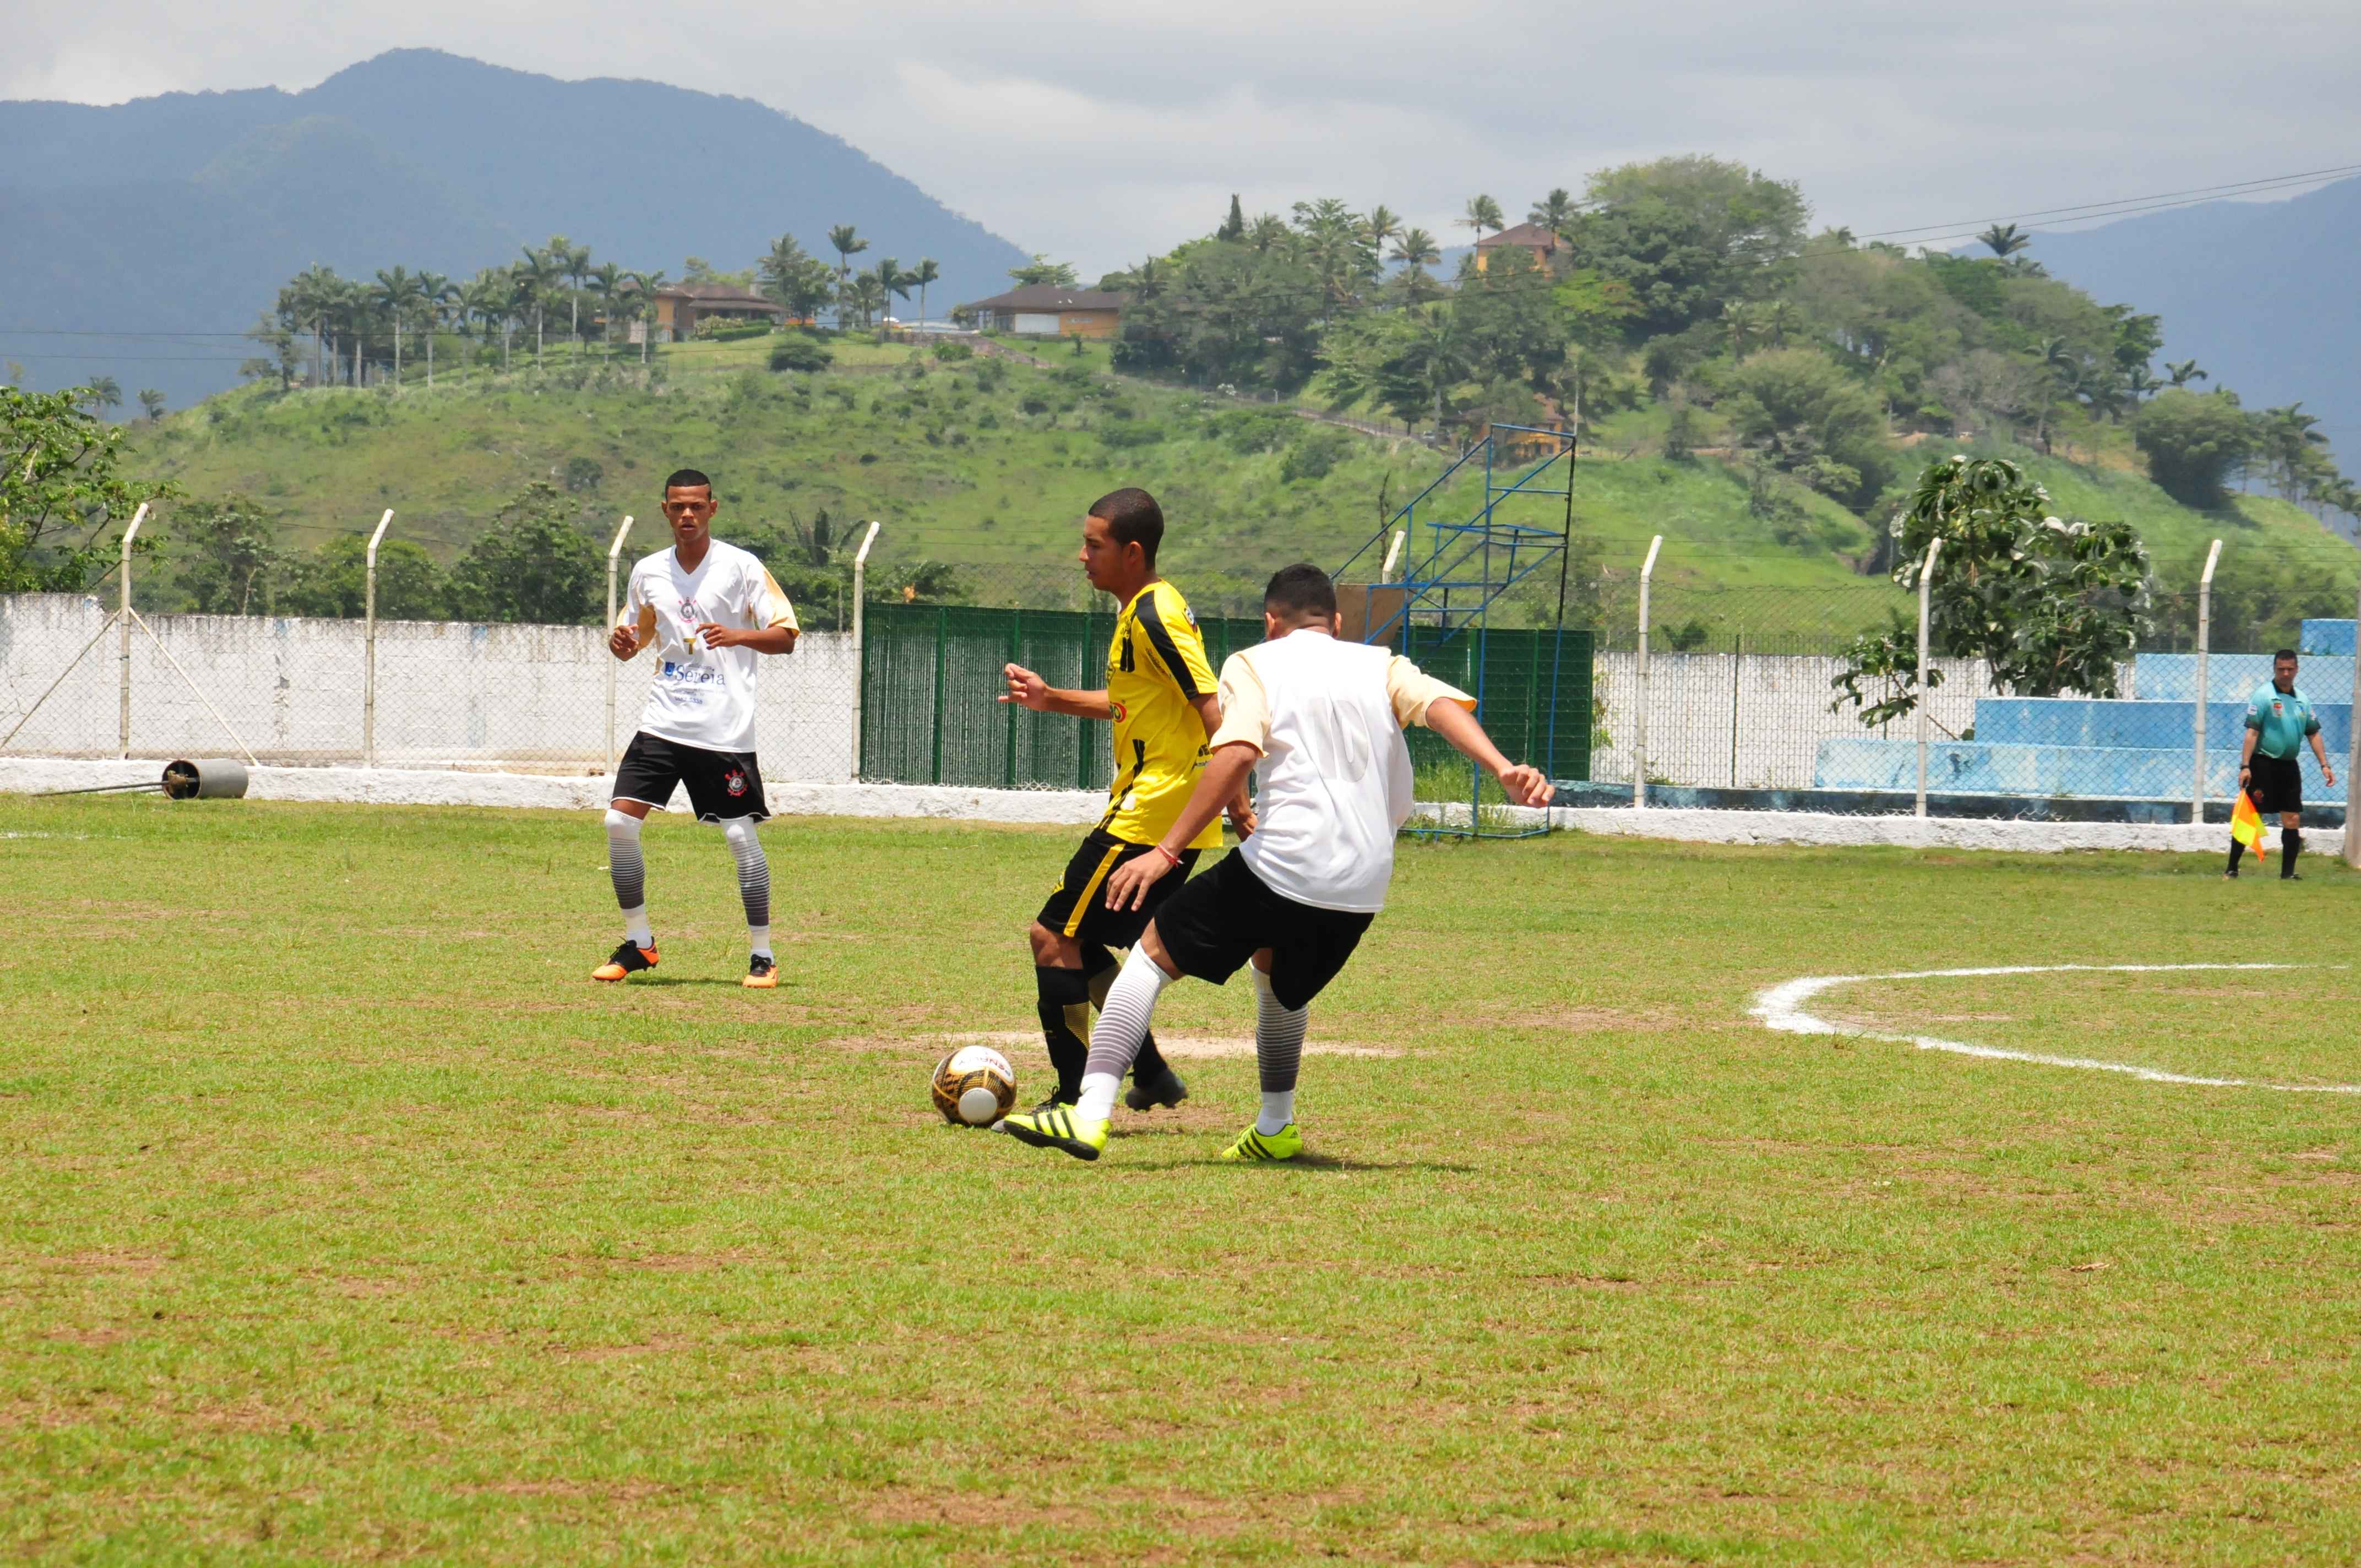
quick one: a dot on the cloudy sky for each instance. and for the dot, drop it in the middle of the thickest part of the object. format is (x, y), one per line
(1101, 132)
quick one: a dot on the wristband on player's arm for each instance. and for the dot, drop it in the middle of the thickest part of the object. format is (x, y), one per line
(1168, 854)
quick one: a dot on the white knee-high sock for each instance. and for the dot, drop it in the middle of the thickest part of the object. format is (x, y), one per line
(1115, 1039)
(754, 881)
(1279, 1054)
(629, 872)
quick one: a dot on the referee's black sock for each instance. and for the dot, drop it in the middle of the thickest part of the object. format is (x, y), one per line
(1064, 1004)
(1100, 966)
(2291, 845)
(2238, 848)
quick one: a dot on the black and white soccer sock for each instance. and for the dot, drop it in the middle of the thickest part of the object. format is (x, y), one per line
(2291, 845)
(1102, 967)
(629, 871)
(1062, 998)
(1279, 1054)
(1130, 1003)
(754, 882)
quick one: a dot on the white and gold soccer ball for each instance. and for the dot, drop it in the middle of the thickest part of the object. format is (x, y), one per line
(974, 1087)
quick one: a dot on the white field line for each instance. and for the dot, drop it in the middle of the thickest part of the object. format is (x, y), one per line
(1781, 1008)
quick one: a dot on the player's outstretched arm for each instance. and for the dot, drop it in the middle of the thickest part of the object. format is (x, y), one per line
(1224, 775)
(1525, 785)
(1026, 689)
(1240, 808)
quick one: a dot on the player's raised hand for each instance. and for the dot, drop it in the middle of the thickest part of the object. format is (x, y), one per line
(622, 642)
(1241, 812)
(1131, 880)
(1525, 786)
(1028, 690)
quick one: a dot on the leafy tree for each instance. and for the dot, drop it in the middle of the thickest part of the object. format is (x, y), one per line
(534, 564)
(1041, 269)
(63, 490)
(2052, 607)
(1554, 211)
(798, 281)
(2192, 442)
(607, 282)
(333, 581)
(1408, 362)
(284, 355)
(1687, 236)
(863, 295)
(798, 351)
(1483, 213)
(229, 553)
(1234, 227)
(1797, 409)
(151, 403)
(1238, 314)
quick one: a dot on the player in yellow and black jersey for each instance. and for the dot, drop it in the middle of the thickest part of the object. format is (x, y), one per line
(1160, 696)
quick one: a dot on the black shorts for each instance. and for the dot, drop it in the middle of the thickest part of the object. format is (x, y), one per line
(1225, 917)
(2277, 784)
(1077, 905)
(722, 786)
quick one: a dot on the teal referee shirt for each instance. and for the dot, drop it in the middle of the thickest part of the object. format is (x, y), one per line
(2283, 718)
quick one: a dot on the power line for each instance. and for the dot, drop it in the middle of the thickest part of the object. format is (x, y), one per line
(2268, 180)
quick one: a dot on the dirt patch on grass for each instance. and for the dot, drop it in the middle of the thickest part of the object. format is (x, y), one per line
(1588, 1020)
(139, 1265)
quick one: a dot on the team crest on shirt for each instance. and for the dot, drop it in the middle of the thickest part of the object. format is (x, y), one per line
(1121, 712)
(735, 780)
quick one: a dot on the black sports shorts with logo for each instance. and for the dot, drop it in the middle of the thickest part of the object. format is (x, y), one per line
(1077, 905)
(1222, 918)
(722, 786)
(2277, 784)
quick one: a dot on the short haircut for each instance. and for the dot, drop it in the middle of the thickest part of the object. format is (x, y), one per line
(2283, 653)
(1132, 516)
(1301, 590)
(687, 480)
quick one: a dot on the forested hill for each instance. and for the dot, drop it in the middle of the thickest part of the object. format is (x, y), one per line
(2261, 293)
(184, 214)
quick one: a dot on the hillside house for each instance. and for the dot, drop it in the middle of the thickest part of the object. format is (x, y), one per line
(681, 306)
(1542, 243)
(1051, 309)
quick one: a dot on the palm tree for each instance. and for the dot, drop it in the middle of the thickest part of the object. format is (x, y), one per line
(572, 262)
(535, 277)
(398, 294)
(2139, 383)
(1483, 213)
(2003, 239)
(891, 280)
(649, 282)
(928, 272)
(1553, 212)
(862, 294)
(847, 245)
(104, 391)
(435, 295)
(1416, 248)
(310, 297)
(607, 282)
(1382, 224)
(152, 402)
(2183, 371)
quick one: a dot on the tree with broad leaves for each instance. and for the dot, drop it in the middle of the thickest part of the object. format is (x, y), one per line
(534, 564)
(229, 555)
(63, 490)
(2052, 607)
(1041, 269)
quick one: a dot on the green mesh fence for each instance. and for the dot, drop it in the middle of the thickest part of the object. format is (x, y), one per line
(931, 681)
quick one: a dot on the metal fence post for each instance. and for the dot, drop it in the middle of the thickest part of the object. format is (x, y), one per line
(1737, 663)
(2353, 752)
(1926, 663)
(124, 615)
(613, 551)
(860, 645)
(2203, 692)
(942, 641)
(368, 644)
(1640, 714)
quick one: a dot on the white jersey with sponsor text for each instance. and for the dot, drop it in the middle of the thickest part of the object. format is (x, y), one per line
(702, 696)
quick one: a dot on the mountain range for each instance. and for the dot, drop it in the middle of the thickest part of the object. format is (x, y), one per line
(2261, 293)
(181, 214)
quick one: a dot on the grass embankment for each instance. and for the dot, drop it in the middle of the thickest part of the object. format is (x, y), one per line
(363, 1225)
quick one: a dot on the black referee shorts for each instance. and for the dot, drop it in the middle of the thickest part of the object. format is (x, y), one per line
(722, 786)
(1222, 918)
(1077, 907)
(2276, 783)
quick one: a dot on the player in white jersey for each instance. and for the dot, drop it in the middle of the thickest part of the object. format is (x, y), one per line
(708, 609)
(1319, 722)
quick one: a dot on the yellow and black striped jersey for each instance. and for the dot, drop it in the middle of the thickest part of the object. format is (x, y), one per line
(1156, 669)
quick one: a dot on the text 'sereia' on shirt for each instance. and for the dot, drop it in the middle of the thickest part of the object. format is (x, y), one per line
(700, 695)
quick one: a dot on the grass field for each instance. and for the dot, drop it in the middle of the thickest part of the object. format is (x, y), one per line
(342, 1218)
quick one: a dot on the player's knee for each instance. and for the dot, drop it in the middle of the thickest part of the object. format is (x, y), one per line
(622, 821)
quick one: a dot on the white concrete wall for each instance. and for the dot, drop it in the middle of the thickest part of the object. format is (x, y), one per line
(450, 694)
(1781, 706)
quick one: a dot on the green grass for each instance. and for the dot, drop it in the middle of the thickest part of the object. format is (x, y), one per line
(342, 1218)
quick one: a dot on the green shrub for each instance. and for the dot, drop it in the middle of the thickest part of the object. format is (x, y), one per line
(948, 350)
(1130, 433)
(799, 352)
(1320, 448)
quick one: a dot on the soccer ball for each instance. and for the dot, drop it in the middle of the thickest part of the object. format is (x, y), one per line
(974, 1087)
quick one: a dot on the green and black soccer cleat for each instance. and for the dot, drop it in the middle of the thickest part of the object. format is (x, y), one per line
(1262, 1147)
(1057, 1129)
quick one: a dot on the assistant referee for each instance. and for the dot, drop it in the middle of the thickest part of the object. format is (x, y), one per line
(2278, 720)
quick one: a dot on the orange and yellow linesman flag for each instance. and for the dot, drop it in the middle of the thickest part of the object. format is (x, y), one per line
(2247, 825)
